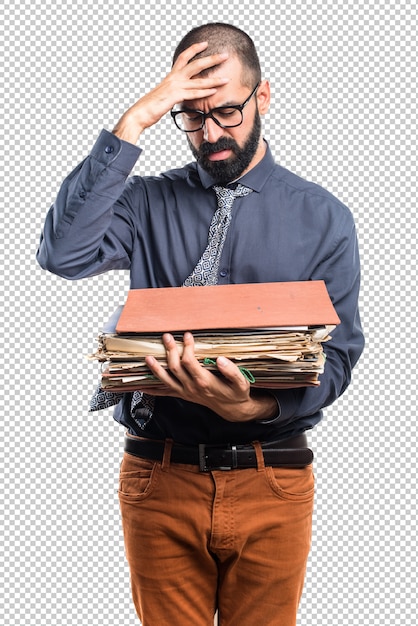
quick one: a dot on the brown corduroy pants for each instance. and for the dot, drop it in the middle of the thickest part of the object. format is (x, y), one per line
(234, 541)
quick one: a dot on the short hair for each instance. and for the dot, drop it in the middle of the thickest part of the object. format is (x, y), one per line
(224, 37)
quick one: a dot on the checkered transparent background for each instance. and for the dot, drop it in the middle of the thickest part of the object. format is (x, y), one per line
(343, 77)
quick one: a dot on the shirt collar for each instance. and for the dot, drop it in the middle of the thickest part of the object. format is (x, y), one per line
(255, 179)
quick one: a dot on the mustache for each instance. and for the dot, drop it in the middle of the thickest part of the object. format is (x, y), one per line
(223, 143)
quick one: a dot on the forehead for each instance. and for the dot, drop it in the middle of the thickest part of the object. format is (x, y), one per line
(233, 92)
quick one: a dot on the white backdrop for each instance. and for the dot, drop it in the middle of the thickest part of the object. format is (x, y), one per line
(343, 76)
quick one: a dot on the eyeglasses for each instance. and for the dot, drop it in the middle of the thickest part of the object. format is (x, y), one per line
(192, 120)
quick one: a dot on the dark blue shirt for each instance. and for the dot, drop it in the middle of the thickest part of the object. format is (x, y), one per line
(157, 227)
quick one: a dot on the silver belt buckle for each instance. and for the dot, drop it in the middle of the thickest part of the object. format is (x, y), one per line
(204, 458)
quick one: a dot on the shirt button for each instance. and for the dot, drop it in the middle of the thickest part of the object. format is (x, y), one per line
(82, 194)
(109, 149)
(223, 273)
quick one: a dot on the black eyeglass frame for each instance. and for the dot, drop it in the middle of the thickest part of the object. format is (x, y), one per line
(204, 116)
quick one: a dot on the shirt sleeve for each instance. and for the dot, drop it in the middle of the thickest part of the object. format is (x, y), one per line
(340, 269)
(77, 240)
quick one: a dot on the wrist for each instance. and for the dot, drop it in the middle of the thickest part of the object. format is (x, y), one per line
(128, 129)
(263, 406)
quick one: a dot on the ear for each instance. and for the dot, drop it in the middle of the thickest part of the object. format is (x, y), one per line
(263, 97)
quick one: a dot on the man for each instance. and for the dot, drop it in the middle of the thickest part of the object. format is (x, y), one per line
(197, 541)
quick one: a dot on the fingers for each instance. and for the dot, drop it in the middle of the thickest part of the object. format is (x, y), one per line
(190, 69)
(194, 68)
(184, 368)
(231, 372)
(198, 65)
(188, 54)
(179, 362)
(170, 385)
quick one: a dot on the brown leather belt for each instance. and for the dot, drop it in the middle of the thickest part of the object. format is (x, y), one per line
(291, 452)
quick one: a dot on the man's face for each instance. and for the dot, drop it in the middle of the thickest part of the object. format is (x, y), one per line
(225, 170)
(227, 153)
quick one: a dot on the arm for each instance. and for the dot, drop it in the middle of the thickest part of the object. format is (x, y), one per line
(88, 230)
(340, 270)
(77, 238)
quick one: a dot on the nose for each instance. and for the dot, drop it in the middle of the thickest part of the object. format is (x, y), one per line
(211, 131)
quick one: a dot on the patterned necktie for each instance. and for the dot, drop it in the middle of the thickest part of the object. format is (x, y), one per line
(206, 270)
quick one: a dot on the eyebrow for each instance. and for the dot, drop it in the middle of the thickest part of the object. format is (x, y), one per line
(220, 106)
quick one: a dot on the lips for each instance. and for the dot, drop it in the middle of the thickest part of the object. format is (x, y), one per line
(220, 155)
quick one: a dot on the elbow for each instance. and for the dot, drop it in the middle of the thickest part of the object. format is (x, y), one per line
(55, 263)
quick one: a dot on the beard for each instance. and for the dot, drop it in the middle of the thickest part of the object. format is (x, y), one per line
(227, 170)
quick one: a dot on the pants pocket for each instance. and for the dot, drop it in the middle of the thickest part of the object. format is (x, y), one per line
(291, 483)
(137, 477)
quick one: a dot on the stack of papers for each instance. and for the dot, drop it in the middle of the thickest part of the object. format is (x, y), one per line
(250, 324)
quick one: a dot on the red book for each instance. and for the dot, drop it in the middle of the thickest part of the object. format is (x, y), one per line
(242, 306)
